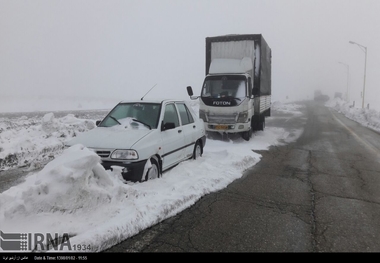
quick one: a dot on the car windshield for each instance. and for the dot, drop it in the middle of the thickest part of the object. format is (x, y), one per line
(219, 87)
(143, 113)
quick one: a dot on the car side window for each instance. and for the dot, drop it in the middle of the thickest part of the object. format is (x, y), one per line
(191, 119)
(184, 113)
(171, 115)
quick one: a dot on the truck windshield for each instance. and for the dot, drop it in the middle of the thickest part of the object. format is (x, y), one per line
(225, 86)
(145, 113)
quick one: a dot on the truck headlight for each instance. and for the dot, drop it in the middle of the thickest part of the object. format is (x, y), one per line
(125, 155)
(242, 117)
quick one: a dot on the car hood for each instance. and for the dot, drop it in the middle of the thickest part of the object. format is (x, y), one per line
(110, 138)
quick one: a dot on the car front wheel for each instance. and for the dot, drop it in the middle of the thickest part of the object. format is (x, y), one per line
(154, 171)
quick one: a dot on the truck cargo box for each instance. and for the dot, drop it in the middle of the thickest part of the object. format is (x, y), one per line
(240, 47)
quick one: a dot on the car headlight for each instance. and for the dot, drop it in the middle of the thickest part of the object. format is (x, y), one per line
(242, 117)
(125, 155)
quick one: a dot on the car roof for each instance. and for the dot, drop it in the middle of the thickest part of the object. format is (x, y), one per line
(150, 101)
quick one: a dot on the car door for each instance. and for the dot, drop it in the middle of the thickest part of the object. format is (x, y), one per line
(188, 128)
(172, 137)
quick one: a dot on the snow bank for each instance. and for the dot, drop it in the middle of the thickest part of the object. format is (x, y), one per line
(73, 181)
(366, 117)
(31, 141)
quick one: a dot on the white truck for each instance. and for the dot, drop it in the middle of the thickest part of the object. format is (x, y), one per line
(236, 93)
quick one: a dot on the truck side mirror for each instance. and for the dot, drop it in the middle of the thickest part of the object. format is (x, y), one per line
(97, 123)
(190, 91)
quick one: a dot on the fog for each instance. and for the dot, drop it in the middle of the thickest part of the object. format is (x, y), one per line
(113, 50)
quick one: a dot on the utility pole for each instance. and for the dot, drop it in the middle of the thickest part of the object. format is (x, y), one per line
(365, 67)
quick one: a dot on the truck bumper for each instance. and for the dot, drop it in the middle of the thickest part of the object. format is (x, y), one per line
(228, 128)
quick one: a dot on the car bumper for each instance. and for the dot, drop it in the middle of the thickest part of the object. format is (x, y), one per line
(132, 171)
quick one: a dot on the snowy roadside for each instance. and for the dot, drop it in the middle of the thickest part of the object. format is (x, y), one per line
(31, 142)
(74, 196)
(367, 117)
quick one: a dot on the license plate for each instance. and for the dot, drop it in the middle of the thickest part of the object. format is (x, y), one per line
(221, 127)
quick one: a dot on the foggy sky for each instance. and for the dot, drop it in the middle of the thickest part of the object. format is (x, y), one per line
(120, 49)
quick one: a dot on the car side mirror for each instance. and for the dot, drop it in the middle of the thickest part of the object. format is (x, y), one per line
(167, 126)
(97, 123)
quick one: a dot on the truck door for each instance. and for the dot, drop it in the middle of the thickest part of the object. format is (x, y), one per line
(172, 139)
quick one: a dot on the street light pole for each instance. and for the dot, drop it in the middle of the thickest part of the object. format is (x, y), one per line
(348, 73)
(365, 66)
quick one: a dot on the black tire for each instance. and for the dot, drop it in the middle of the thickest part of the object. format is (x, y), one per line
(198, 150)
(254, 125)
(259, 123)
(260, 126)
(247, 135)
(154, 171)
(262, 123)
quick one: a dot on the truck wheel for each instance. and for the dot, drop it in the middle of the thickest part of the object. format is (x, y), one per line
(262, 123)
(247, 135)
(255, 125)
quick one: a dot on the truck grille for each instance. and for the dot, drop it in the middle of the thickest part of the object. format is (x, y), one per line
(222, 119)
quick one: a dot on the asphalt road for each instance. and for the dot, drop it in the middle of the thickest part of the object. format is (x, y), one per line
(318, 194)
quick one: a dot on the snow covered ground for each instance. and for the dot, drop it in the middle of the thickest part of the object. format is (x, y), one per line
(366, 117)
(32, 139)
(74, 196)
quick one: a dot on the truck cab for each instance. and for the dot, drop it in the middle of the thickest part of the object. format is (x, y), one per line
(227, 103)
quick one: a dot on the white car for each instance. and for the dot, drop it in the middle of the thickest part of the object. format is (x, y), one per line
(145, 138)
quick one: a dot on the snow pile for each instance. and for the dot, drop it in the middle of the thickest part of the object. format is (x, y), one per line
(30, 141)
(74, 181)
(366, 117)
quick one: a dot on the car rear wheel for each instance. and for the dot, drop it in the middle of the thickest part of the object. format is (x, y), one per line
(197, 150)
(154, 171)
